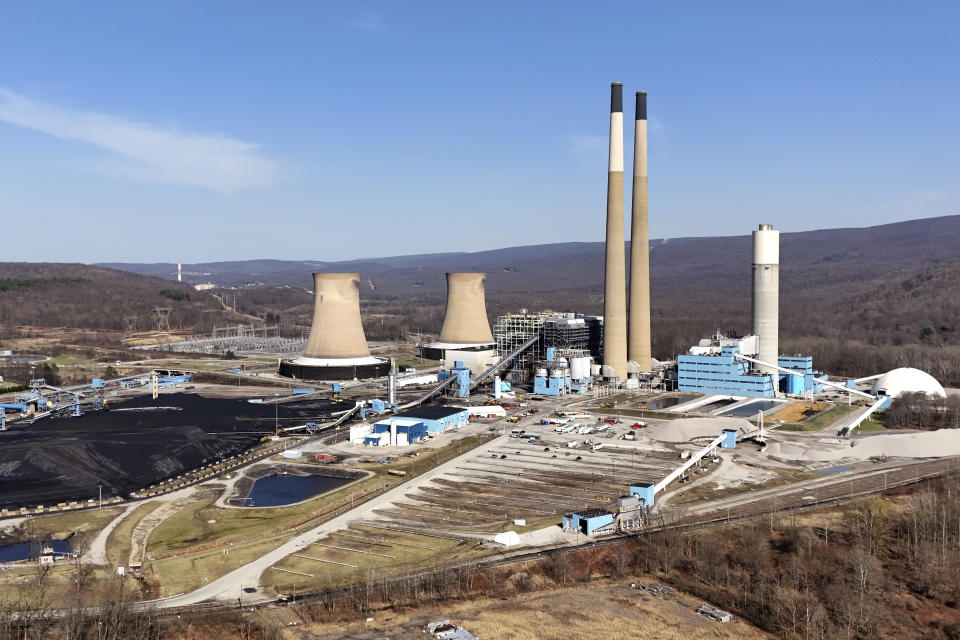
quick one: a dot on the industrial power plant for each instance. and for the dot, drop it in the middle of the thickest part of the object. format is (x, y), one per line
(519, 431)
(570, 353)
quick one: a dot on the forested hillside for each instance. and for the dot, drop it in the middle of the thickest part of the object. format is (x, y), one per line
(859, 300)
(76, 295)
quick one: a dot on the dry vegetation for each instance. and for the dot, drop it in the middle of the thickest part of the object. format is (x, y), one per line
(876, 568)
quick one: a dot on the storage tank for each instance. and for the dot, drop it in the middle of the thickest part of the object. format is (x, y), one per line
(558, 372)
(540, 372)
(580, 368)
(595, 370)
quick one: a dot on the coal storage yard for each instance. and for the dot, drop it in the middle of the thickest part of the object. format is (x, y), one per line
(133, 444)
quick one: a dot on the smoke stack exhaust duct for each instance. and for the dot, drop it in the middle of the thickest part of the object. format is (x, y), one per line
(465, 321)
(615, 286)
(766, 294)
(337, 348)
(639, 349)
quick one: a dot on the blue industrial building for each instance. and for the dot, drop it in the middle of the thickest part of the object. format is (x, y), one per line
(644, 491)
(587, 521)
(795, 384)
(557, 376)
(724, 373)
(405, 433)
(436, 419)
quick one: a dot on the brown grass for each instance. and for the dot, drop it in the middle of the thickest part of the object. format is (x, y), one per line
(602, 608)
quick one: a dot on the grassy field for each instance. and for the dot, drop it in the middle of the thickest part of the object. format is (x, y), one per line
(328, 566)
(821, 420)
(413, 360)
(871, 424)
(181, 574)
(63, 524)
(118, 542)
(602, 608)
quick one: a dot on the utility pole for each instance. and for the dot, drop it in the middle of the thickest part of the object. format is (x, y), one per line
(100, 487)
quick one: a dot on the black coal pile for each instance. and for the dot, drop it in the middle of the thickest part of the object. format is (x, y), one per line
(133, 444)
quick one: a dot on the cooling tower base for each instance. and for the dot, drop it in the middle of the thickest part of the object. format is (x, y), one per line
(334, 368)
(437, 350)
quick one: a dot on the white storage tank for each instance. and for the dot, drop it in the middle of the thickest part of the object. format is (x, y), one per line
(558, 372)
(540, 372)
(580, 368)
(631, 383)
(595, 370)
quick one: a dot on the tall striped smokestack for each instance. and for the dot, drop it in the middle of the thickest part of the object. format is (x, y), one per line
(766, 294)
(639, 345)
(337, 331)
(615, 286)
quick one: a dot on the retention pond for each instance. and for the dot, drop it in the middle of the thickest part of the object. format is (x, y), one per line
(669, 401)
(283, 489)
(28, 550)
(749, 410)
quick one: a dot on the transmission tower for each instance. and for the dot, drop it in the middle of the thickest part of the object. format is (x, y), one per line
(161, 318)
(130, 324)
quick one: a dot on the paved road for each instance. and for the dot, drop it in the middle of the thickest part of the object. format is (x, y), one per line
(227, 588)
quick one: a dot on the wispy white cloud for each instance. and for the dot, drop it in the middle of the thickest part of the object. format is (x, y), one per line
(149, 152)
(369, 21)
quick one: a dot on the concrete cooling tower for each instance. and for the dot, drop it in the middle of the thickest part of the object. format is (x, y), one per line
(465, 324)
(337, 348)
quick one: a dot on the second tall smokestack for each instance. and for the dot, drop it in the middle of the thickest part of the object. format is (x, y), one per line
(615, 286)
(639, 345)
(766, 294)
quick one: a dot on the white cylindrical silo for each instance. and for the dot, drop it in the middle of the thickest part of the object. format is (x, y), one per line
(766, 294)
(580, 368)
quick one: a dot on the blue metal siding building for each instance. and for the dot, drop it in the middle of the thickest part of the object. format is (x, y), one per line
(587, 521)
(795, 384)
(437, 419)
(722, 374)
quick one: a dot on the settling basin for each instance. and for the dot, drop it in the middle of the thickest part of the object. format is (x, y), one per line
(669, 401)
(749, 410)
(30, 550)
(283, 489)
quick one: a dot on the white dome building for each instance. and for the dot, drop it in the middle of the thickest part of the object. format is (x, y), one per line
(908, 380)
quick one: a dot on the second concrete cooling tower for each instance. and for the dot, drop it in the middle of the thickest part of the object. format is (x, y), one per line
(337, 348)
(465, 324)
(615, 268)
(766, 294)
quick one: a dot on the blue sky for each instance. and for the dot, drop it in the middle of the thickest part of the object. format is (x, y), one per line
(309, 130)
